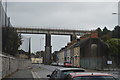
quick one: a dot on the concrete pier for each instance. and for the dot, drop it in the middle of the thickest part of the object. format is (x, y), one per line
(48, 46)
(73, 37)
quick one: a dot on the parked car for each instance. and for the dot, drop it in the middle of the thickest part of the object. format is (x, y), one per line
(89, 76)
(60, 64)
(59, 74)
(67, 64)
(54, 64)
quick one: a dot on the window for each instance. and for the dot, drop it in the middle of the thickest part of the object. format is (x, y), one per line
(94, 49)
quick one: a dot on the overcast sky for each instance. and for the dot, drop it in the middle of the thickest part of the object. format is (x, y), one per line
(68, 15)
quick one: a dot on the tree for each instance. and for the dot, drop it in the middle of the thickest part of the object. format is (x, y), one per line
(99, 32)
(39, 54)
(107, 36)
(104, 34)
(116, 32)
(114, 49)
(11, 40)
(114, 46)
(105, 31)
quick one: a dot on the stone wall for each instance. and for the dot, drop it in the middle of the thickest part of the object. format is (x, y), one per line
(10, 64)
(23, 63)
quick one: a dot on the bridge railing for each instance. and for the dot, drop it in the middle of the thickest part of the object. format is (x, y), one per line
(46, 28)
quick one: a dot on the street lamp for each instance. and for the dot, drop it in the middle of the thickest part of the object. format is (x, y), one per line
(118, 15)
(118, 24)
(114, 13)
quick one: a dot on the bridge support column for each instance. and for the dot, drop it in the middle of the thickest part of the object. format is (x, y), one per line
(73, 37)
(47, 57)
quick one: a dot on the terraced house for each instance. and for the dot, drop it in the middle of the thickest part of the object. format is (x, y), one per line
(87, 52)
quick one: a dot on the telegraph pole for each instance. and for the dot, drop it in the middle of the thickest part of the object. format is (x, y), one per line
(41, 50)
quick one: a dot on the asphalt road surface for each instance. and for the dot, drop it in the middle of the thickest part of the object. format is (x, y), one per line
(41, 71)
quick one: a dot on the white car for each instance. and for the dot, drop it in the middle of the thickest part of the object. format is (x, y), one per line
(60, 64)
(54, 64)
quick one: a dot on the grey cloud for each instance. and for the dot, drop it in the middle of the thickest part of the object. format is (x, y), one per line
(61, 13)
(72, 15)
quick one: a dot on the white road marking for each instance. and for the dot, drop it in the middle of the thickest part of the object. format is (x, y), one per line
(35, 75)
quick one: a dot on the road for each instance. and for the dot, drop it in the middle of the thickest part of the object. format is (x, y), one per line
(41, 71)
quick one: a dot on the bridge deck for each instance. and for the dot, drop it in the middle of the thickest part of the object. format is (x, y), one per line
(52, 31)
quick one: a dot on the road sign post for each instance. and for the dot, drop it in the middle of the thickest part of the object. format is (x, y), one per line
(109, 62)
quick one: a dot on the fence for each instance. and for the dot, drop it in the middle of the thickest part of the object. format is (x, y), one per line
(9, 64)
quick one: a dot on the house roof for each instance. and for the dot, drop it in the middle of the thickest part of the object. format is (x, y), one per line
(79, 43)
(84, 42)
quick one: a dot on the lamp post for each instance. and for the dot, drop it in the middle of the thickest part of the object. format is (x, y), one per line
(29, 51)
(118, 14)
(115, 13)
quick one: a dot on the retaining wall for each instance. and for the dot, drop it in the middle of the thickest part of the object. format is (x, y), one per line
(10, 64)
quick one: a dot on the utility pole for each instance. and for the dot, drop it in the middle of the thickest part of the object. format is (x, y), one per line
(29, 51)
(41, 49)
(40, 43)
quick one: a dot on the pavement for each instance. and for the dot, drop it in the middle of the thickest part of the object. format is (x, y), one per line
(36, 73)
(23, 74)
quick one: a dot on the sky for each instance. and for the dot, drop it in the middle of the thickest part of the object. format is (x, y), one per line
(65, 15)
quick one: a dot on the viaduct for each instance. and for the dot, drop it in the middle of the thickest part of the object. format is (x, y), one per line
(48, 32)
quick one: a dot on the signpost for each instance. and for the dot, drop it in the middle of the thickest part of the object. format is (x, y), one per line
(109, 62)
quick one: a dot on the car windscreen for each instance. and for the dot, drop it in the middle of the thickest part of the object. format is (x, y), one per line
(66, 72)
(94, 78)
